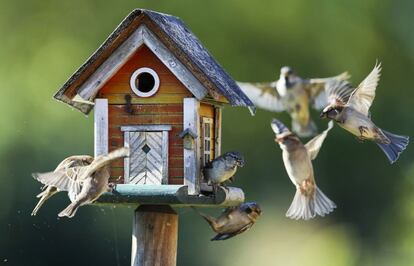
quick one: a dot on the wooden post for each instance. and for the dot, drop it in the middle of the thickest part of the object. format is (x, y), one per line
(154, 236)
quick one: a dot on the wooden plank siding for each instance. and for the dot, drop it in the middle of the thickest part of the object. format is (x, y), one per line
(164, 107)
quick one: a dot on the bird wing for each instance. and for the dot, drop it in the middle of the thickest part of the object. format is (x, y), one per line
(338, 92)
(76, 160)
(66, 173)
(230, 235)
(314, 145)
(316, 89)
(363, 96)
(103, 160)
(264, 95)
(63, 179)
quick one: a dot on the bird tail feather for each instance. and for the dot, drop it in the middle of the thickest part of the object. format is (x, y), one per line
(304, 131)
(396, 146)
(306, 208)
(70, 211)
(210, 220)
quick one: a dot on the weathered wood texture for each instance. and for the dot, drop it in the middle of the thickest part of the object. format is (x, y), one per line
(101, 126)
(192, 155)
(217, 131)
(165, 107)
(154, 236)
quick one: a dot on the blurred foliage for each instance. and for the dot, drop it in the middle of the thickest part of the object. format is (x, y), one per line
(43, 42)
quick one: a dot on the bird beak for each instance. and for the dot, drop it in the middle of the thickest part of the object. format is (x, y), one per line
(323, 115)
(278, 140)
(240, 163)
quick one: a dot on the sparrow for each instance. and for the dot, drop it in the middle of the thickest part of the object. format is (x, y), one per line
(84, 184)
(70, 166)
(222, 168)
(350, 109)
(309, 200)
(292, 94)
(233, 220)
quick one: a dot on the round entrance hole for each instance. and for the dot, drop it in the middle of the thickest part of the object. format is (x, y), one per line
(144, 82)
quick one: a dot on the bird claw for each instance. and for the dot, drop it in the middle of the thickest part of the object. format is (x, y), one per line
(362, 130)
(225, 187)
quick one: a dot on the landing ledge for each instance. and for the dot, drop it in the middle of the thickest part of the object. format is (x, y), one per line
(175, 195)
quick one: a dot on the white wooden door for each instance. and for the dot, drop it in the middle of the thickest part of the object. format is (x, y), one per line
(145, 158)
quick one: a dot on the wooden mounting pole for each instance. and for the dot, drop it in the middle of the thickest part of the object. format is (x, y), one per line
(154, 236)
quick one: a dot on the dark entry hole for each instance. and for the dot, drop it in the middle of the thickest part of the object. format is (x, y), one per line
(145, 82)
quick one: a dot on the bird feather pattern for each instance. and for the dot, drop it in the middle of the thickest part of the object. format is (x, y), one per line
(314, 145)
(363, 96)
(264, 95)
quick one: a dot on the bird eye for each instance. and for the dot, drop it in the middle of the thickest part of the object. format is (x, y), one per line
(249, 210)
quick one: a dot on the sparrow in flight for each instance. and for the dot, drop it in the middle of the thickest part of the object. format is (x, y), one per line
(292, 94)
(84, 183)
(350, 109)
(233, 220)
(71, 167)
(309, 200)
(222, 168)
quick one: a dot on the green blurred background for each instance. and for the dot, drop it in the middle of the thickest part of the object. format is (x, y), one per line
(43, 43)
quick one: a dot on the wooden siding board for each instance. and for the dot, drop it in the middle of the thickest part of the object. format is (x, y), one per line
(101, 127)
(217, 133)
(192, 156)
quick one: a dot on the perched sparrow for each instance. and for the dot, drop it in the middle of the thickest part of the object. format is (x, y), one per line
(292, 94)
(84, 184)
(222, 168)
(234, 220)
(350, 109)
(70, 167)
(309, 200)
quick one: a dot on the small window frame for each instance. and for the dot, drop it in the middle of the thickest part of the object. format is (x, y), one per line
(133, 85)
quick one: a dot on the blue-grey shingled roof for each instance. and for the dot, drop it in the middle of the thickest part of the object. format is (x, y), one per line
(186, 40)
(180, 38)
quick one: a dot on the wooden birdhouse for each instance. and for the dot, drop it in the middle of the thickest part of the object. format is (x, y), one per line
(155, 89)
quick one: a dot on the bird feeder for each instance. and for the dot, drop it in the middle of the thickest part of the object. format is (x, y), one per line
(155, 89)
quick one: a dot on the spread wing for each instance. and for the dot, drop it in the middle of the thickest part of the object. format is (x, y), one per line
(315, 144)
(363, 96)
(76, 160)
(104, 160)
(263, 95)
(67, 173)
(338, 92)
(230, 235)
(316, 89)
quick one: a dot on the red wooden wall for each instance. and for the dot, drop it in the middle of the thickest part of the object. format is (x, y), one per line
(165, 107)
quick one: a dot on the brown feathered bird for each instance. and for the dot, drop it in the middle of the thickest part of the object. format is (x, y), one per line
(309, 200)
(233, 220)
(292, 94)
(350, 109)
(70, 166)
(84, 183)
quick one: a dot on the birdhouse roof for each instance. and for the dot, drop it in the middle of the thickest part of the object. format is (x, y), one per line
(179, 40)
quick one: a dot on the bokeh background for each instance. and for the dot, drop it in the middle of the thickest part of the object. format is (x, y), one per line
(43, 43)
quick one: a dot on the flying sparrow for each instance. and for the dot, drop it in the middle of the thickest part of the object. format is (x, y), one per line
(309, 200)
(292, 94)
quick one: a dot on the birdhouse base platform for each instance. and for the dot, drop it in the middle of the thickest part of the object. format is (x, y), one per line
(174, 195)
